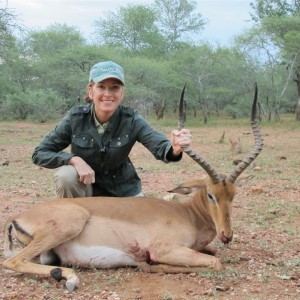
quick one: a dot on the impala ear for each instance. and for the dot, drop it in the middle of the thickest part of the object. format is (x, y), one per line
(187, 188)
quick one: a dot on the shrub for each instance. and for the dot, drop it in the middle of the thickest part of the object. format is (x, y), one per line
(39, 105)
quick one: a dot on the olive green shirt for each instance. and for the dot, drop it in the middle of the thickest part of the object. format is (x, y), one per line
(106, 153)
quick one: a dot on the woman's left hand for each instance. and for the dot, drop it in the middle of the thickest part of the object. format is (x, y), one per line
(180, 139)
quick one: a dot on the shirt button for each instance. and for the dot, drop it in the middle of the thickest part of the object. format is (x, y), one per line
(119, 143)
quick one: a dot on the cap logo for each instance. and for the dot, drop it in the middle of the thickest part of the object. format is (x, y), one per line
(108, 69)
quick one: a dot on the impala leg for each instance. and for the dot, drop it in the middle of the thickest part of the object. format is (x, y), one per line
(163, 268)
(209, 249)
(21, 262)
(183, 259)
(44, 239)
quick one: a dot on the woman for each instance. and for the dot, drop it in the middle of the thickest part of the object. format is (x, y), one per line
(102, 134)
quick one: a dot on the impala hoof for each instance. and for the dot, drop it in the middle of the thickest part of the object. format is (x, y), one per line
(217, 265)
(145, 267)
(72, 283)
(56, 273)
(210, 250)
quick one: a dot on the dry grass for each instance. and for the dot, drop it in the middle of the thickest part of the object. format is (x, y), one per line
(263, 262)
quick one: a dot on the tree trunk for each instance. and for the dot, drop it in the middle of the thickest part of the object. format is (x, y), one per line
(161, 110)
(270, 110)
(298, 90)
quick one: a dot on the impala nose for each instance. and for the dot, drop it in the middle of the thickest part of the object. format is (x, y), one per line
(225, 239)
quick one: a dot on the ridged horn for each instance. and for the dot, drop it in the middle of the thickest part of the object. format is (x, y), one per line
(195, 156)
(242, 166)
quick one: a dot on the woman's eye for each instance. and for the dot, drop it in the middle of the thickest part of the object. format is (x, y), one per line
(112, 89)
(116, 88)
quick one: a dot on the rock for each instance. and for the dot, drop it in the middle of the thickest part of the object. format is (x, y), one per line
(222, 288)
(5, 163)
(257, 189)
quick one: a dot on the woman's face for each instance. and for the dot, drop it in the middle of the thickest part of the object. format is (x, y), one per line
(107, 96)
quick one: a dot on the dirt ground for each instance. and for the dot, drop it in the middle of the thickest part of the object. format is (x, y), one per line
(262, 261)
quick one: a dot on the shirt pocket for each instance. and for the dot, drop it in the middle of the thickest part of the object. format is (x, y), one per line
(84, 146)
(83, 141)
(119, 142)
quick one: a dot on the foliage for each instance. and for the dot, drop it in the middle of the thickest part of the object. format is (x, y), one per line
(133, 27)
(177, 19)
(151, 43)
(8, 24)
(273, 9)
(39, 104)
(52, 41)
(151, 31)
(280, 20)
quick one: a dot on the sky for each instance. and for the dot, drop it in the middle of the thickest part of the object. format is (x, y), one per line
(225, 18)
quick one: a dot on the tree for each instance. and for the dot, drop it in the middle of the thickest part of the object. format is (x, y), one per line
(217, 79)
(11, 79)
(8, 23)
(177, 19)
(148, 84)
(258, 46)
(273, 8)
(281, 20)
(48, 52)
(52, 41)
(132, 27)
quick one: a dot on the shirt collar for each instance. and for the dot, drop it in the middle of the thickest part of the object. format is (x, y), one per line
(100, 127)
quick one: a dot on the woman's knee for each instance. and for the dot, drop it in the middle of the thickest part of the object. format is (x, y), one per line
(67, 184)
(66, 175)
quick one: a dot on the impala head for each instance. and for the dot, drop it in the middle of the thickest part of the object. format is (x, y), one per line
(213, 202)
(219, 200)
(220, 188)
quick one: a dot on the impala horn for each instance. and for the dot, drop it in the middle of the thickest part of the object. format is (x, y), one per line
(196, 157)
(242, 166)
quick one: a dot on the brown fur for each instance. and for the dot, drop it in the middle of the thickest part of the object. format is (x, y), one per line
(160, 236)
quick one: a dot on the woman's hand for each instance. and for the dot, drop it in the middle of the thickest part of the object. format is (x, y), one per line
(85, 172)
(180, 139)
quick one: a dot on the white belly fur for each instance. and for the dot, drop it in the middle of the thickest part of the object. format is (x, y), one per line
(94, 256)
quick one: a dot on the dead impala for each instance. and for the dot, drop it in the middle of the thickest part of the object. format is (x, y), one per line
(150, 233)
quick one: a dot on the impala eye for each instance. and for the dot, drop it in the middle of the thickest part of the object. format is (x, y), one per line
(211, 197)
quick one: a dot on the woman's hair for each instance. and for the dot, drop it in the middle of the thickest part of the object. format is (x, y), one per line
(87, 97)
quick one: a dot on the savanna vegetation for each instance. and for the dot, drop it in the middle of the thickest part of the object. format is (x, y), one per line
(44, 72)
(263, 260)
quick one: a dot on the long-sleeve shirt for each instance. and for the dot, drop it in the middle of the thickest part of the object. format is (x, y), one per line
(108, 153)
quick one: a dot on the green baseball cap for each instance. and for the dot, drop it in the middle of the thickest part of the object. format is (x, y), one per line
(106, 69)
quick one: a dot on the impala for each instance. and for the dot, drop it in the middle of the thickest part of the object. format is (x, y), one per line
(145, 232)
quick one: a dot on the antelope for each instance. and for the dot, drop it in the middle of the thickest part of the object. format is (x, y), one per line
(149, 233)
(235, 145)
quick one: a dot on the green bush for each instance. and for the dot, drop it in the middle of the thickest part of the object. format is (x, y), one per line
(234, 111)
(39, 105)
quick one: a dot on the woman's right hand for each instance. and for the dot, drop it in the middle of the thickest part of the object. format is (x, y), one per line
(85, 172)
